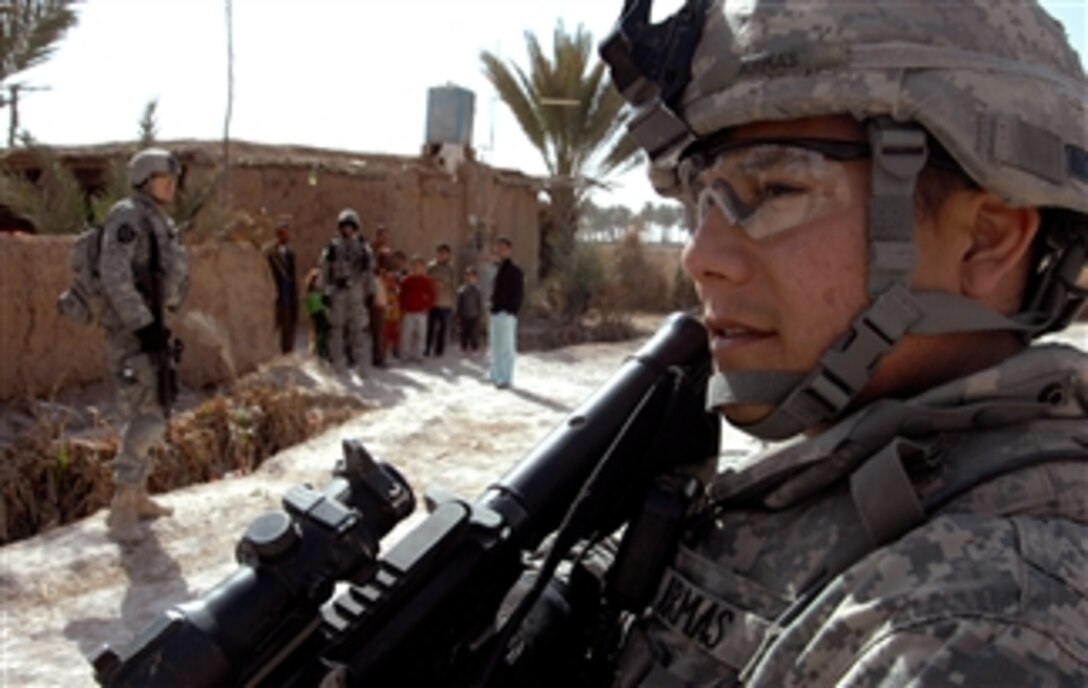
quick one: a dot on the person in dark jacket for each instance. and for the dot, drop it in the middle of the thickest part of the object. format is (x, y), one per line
(281, 261)
(507, 293)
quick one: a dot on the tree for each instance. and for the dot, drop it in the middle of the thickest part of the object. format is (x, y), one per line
(29, 33)
(571, 113)
(642, 286)
(149, 123)
(612, 223)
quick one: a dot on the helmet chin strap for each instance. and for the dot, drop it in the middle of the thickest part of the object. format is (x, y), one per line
(802, 401)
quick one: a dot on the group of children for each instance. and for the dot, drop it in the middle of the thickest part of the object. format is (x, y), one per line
(406, 297)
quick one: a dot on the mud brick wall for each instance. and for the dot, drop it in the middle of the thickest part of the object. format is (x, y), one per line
(227, 321)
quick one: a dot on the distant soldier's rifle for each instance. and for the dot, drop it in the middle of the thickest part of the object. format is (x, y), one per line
(165, 361)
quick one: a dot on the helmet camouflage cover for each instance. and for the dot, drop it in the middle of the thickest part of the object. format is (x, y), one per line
(994, 82)
(149, 162)
(348, 216)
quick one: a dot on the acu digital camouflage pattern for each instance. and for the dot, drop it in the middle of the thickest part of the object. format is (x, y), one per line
(994, 80)
(346, 266)
(782, 584)
(125, 266)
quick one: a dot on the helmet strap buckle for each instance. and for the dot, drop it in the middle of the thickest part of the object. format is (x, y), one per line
(899, 153)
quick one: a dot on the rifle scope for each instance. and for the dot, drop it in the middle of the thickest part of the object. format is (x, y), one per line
(290, 560)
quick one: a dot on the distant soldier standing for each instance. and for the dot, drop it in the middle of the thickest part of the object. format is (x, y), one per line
(345, 270)
(144, 272)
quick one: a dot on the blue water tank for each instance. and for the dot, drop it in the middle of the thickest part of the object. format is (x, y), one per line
(450, 112)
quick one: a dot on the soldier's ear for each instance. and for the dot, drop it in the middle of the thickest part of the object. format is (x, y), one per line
(998, 248)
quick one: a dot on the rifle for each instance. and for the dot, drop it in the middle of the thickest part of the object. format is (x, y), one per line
(434, 608)
(167, 360)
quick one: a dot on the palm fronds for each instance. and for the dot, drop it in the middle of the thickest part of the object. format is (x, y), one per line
(30, 31)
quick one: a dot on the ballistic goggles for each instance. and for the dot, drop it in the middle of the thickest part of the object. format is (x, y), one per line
(767, 186)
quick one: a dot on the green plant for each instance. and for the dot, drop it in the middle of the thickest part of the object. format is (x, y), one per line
(114, 188)
(576, 283)
(30, 31)
(54, 203)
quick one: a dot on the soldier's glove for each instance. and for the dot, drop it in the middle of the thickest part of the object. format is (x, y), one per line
(153, 339)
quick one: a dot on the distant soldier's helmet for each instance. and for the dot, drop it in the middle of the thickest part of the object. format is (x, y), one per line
(994, 83)
(348, 217)
(151, 161)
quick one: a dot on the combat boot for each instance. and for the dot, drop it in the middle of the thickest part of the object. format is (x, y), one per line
(124, 519)
(148, 509)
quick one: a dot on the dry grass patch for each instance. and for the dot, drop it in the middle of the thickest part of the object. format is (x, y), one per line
(51, 476)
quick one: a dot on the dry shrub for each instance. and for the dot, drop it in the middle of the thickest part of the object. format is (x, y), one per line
(235, 433)
(47, 481)
(50, 479)
(578, 304)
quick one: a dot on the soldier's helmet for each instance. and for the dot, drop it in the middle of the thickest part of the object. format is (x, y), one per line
(348, 216)
(151, 161)
(994, 83)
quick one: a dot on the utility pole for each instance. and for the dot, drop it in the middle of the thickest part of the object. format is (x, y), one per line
(229, 7)
(13, 121)
(11, 101)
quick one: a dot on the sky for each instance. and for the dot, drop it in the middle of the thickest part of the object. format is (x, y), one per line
(343, 74)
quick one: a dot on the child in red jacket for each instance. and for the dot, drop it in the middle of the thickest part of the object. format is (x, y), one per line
(417, 295)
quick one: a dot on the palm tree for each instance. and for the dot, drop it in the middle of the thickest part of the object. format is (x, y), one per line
(29, 32)
(571, 113)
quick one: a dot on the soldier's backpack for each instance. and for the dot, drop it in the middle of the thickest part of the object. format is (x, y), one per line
(85, 299)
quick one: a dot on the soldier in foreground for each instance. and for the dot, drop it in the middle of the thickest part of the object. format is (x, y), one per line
(144, 273)
(890, 200)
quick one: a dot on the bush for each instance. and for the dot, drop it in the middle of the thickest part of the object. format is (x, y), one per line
(50, 477)
(574, 284)
(641, 285)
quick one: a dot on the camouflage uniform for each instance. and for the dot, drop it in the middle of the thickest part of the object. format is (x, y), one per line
(988, 588)
(934, 541)
(126, 271)
(346, 274)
